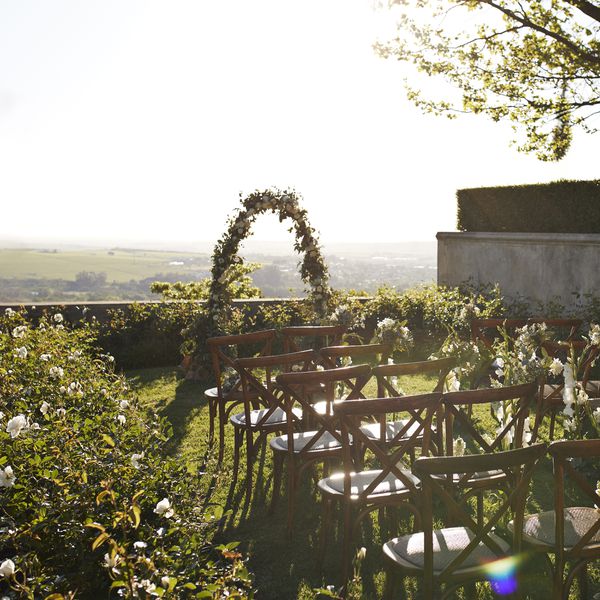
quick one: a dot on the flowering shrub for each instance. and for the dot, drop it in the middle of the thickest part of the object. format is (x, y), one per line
(89, 501)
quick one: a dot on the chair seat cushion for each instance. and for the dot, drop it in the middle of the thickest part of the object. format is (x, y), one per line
(539, 528)
(278, 416)
(474, 478)
(448, 543)
(359, 482)
(325, 442)
(392, 429)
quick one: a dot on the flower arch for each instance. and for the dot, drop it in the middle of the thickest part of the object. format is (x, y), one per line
(313, 271)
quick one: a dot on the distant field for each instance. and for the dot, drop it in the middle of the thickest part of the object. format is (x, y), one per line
(119, 265)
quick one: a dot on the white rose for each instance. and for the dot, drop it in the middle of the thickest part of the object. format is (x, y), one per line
(7, 568)
(7, 477)
(163, 508)
(16, 424)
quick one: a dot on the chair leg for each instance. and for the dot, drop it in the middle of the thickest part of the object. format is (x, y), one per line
(221, 430)
(278, 458)
(325, 524)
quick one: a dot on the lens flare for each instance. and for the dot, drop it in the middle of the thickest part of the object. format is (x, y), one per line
(502, 575)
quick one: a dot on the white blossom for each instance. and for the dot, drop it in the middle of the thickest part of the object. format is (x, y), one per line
(7, 568)
(135, 460)
(459, 447)
(163, 508)
(16, 425)
(56, 372)
(19, 331)
(7, 477)
(556, 367)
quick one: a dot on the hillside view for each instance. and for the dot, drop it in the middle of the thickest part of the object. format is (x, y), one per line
(76, 274)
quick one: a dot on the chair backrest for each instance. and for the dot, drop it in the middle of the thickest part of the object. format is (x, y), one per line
(486, 330)
(387, 375)
(512, 427)
(314, 337)
(562, 452)
(224, 350)
(387, 451)
(259, 385)
(298, 388)
(518, 465)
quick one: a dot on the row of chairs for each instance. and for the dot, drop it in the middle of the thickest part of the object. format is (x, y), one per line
(285, 394)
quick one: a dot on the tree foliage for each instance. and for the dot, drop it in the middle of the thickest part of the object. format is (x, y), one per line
(533, 62)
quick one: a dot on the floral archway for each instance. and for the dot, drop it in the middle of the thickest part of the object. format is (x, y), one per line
(313, 271)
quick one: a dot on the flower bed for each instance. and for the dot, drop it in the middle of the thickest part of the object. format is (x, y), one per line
(89, 501)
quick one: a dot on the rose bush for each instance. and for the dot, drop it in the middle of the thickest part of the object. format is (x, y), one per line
(90, 504)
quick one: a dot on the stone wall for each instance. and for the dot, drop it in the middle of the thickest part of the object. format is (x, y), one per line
(540, 266)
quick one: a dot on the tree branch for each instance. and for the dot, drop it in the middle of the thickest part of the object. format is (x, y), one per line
(582, 53)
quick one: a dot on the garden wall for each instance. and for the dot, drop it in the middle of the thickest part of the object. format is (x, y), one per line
(541, 266)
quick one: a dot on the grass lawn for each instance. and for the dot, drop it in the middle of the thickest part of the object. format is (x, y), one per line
(287, 569)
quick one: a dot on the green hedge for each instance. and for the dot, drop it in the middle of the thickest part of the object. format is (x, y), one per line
(557, 207)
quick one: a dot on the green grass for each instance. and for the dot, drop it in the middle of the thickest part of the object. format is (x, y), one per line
(287, 569)
(119, 265)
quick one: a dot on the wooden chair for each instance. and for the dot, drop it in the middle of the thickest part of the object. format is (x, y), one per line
(452, 556)
(387, 377)
(333, 357)
(456, 411)
(362, 491)
(486, 330)
(222, 399)
(313, 337)
(574, 538)
(323, 441)
(550, 402)
(264, 402)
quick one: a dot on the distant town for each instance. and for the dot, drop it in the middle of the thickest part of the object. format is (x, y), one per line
(79, 273)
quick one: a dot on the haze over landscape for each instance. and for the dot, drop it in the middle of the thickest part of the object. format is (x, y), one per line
(138, 124)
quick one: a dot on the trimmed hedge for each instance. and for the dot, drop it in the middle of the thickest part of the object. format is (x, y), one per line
(557, 207)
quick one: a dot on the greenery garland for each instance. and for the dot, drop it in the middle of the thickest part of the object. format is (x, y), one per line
(218, 316)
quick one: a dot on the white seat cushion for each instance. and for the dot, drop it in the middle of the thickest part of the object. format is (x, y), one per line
(360, 481)
(392, 429)
(539, 528)
(277, 416)
(325, 442)
(448, 543)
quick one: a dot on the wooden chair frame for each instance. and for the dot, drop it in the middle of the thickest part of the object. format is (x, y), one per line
(518, 465)
(297, 388)
(441, 367)
(562, 452)
(259, 392)
(389, 454)
(221, 402)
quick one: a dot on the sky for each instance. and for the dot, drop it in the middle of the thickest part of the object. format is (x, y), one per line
(128, 121)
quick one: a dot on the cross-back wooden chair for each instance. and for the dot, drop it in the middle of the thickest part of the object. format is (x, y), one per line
(264, 402)
(486, 330)
(511, 435)
(314, 337)
(387, 377)
(387, 481)
(333, 357)
(227, 394)
(452, 556)
(550, 402)
(574, 538)
(323, 441)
